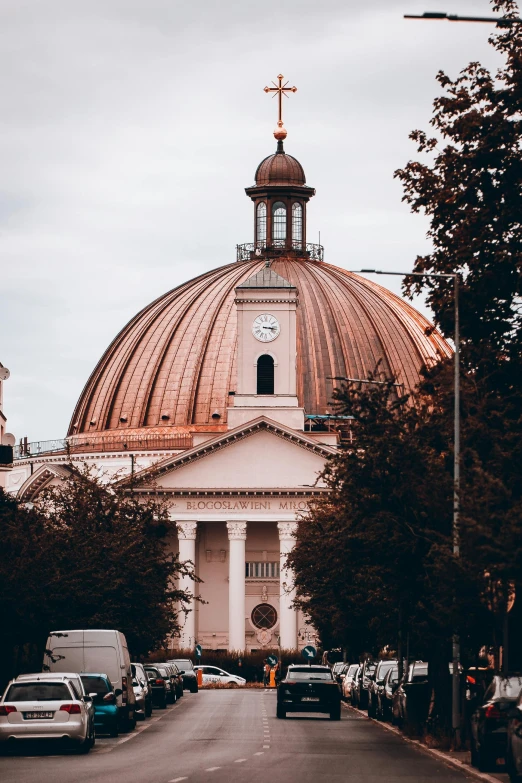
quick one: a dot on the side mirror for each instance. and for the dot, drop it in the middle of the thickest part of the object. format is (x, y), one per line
(118, 692)
(88, 698)
(110, 697)
(182, 671)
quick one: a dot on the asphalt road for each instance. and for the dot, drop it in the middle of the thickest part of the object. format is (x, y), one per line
(227, 736)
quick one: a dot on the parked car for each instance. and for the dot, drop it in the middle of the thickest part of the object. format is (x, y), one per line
(178, 679)
(337, 667)
(340, 674)
(363, 683)
(385, 695)
(159, 686)
(142, 690)
(308, 689)
(167, 672)
(188, 673)
(106, 718)
(514, 742)
(39, 706)
(348, 681)
(489, 722)
(356, 686)
(376, 683)
(92, 650)
(213, 674)
(415, 676)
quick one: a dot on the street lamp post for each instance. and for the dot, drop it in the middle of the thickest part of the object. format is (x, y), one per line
(455, 701)
(502, 21)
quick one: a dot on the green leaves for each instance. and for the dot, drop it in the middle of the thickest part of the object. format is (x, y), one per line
(87, 555)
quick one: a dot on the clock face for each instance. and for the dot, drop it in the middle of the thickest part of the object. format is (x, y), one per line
(266, 328)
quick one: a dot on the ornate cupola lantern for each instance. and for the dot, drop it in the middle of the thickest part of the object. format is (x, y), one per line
(280, 196)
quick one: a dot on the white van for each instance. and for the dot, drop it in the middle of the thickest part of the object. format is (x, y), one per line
(95, 651)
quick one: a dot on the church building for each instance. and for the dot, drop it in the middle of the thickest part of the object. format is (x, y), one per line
(217, 396)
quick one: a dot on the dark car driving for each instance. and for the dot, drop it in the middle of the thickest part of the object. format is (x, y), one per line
(309, 689)
(187, 671)
(489, 722)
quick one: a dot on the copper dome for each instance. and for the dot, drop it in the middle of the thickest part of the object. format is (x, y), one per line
(280, 169)
(173, 365)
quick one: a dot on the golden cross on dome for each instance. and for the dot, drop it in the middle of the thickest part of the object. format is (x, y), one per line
(280, 90)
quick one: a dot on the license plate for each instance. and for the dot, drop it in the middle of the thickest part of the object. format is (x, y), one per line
(310, 698)
(36, 715)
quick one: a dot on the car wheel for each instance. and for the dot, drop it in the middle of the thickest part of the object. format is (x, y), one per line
(194, 688)
(88, 743)
(114, 732)
(232, 685)
(335, 714)
(148, 710)
(280, 712)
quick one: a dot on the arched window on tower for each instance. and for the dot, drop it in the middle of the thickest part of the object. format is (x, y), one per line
(265, 374)
(278, 221)
(261, 224)
(297, 225)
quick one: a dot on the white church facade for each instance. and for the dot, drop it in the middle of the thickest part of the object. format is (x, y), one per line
(217, 397)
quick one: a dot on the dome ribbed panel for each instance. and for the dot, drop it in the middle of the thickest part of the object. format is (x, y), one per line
(280, 169)
(178, 356)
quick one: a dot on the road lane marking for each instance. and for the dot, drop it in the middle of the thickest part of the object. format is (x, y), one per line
(177, 780)
(259, 753)
(266, 746)
(238, 761)
(212, 769)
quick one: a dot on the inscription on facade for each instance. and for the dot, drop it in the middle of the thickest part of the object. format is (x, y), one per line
(246, 505)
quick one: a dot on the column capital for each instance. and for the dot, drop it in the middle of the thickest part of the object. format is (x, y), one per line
(187, 530)
(237, 531)
(287, 530)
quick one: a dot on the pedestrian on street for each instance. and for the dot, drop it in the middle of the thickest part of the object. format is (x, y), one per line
(266, 673)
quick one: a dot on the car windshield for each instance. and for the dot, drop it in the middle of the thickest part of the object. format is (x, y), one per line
(418, 673)
(152, 674)
(38, 691)
(184, 664)
(308, 674)
(352, 669)
(93, 684)
(384, 667)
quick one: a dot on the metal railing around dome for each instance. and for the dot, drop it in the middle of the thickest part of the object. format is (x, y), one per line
(252, 250)
(102, 443)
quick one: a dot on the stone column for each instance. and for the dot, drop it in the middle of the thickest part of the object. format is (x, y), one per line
(287, 614)
(236, 585)
(187, 532)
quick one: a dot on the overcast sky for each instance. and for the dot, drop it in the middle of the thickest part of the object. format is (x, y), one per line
(130, 128)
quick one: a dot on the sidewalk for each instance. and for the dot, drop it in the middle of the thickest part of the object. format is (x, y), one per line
(459, 760)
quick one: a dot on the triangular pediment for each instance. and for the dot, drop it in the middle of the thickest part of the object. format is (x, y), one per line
(261, 454)
(43, 477)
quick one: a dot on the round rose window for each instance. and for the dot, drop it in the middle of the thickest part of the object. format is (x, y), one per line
(264, 616)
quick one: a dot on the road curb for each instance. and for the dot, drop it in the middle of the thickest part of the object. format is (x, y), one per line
(438, 754)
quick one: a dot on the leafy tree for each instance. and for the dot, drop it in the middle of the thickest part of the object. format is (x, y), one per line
(88, 555)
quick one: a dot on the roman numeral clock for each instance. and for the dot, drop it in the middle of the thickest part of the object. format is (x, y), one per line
(266, 328)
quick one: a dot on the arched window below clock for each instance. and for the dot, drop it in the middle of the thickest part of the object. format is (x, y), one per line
(265, 374)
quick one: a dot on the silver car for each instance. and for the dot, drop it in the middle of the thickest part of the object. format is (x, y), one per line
(47, 706)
